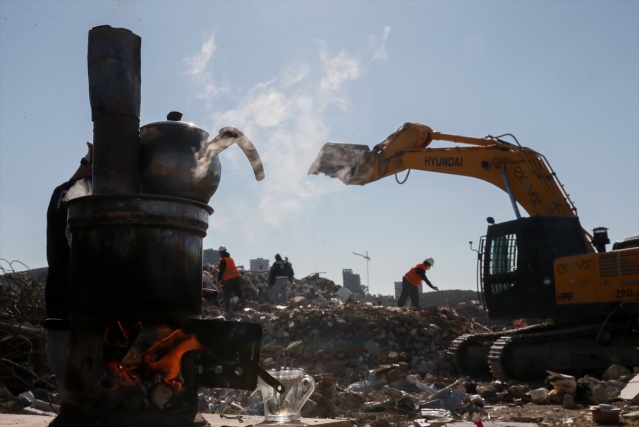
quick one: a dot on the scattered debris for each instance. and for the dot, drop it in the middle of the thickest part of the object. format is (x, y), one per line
(605, 413)
(377, 365)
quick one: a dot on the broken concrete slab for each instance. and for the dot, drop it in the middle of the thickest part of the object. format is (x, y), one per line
(631, 390)
(344, 294)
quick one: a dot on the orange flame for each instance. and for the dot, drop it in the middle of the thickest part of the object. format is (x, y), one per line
(164, 356)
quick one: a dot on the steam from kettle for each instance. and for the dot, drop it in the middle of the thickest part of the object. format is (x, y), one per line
(226, 137)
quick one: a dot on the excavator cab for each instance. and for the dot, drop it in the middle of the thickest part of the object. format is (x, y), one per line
(516, 265)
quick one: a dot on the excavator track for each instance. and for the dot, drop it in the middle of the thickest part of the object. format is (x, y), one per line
(575, 350)
(469, 352)
(528, 353)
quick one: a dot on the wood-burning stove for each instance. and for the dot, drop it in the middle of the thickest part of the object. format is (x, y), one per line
(138, 349)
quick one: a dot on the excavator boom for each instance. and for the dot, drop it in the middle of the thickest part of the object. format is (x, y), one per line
(519, 171)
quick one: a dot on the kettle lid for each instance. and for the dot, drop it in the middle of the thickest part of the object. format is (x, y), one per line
(174, 121)
(175, 116)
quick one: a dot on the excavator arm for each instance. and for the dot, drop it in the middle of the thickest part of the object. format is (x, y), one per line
(521, 172)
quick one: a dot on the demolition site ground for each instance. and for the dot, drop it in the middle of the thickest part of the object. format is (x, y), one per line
(374, 364)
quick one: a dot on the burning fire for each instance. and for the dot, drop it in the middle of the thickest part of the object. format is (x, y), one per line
(146, 356)
(119, 376)
(165, 355)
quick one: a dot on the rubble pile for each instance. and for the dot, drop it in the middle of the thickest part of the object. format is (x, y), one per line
(374, 364)
(22, 340)
(313, 288)
(352, 349)
(319, 331)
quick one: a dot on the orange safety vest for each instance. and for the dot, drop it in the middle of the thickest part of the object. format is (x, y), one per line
(230, 271)
(412, 277)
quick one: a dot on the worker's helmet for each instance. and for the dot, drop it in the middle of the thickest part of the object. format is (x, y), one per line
(429, 261)
(222, 249)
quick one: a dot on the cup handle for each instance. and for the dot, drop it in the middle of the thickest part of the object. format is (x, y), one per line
(306, 379)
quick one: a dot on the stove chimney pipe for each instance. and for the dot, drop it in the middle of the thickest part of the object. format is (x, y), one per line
(114, 91)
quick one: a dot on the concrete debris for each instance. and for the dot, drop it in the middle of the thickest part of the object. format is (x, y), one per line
(631, 415)
(378, 362)
(614, 372)
(538, 395)
(434, 414)
(344, 294)
(569, 402)
(562, 384)
(385, 366)
(630, 391)
(608, 414)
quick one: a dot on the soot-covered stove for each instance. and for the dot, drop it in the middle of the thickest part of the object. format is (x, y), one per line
(138, 349)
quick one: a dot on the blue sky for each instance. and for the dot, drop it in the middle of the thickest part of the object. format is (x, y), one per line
(562, 76)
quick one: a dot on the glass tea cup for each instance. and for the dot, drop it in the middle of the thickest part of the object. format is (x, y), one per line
(286, 406)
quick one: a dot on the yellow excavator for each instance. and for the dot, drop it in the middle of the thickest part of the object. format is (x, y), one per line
(543, 267)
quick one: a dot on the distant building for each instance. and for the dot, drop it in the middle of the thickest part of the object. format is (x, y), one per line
(398, 289)
(210, 256)
(260, 264)
(352, 281)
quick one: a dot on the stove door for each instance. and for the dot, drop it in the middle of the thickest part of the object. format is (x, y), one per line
(231, 353)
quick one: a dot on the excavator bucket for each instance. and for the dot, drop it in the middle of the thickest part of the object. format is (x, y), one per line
(356, 164)
(350, 163)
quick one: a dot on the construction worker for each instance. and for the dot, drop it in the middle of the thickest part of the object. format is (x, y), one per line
(280, 275)
(56, 291)
(412, 280)
(229, 277)
(210, 292)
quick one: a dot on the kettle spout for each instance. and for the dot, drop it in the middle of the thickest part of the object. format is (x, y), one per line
(228, 136)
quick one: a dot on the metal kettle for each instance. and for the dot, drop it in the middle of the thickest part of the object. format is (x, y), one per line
(177, 158)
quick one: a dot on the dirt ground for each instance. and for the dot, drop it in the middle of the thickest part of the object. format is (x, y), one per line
(529, 413)
(550, 415)
(545, 414)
